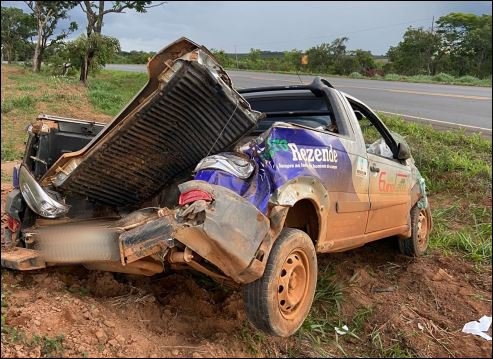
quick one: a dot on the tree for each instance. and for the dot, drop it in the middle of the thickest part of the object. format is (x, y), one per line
(292, 59)
(466, 39)
(223, 59)
(319, 58)
(415, 54)
(95, 11)
(365, 60)
(17, 28)
(72, 53)
(329, 58)
(47, 14)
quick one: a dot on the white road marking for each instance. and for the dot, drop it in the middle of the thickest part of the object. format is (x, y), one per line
(437, 121)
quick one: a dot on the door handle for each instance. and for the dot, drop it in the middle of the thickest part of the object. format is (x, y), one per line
(374, 169)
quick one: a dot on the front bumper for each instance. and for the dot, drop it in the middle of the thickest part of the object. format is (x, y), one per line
(229, 237)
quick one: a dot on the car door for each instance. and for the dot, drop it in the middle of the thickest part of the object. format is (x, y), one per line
(390, 178)
(389, 193)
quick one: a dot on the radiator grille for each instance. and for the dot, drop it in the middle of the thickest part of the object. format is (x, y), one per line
(169, 135)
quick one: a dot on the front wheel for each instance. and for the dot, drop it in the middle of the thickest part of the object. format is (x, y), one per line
(417, 244)
(281, 299)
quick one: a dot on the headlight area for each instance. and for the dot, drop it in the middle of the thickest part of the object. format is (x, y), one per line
(37, 198)
(232, 163)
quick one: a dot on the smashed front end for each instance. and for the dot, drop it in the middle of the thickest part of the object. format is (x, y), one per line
(99, 206)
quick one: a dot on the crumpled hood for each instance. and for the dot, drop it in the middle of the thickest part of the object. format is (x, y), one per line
(187, 110)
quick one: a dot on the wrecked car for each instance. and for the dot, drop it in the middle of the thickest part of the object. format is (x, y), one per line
(246, 186)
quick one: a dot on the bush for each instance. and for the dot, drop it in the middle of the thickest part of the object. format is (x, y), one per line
(468, 79)
(443, 77)
(420, 78)
(355, 75)
(392, 77)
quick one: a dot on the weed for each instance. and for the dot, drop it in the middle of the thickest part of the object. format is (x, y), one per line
(7, 106)
(14, 335)
(253, 338)
(22, 103)
(360, 318)
(393, 351)
(329, 293)
(50, 347)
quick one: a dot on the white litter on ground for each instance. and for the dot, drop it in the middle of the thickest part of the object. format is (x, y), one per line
(478, 328)
(342, 331)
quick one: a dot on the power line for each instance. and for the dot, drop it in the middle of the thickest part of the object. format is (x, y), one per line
(410, 23)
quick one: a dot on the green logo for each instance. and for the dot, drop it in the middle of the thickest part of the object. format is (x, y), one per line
(274, 145)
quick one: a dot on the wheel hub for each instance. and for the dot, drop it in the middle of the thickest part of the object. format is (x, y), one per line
(422, 232)
(292, 283)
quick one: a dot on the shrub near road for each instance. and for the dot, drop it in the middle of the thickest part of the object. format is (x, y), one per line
(392, 305)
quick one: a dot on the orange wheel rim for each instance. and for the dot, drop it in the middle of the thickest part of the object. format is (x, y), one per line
(422, 232)
(293, 283)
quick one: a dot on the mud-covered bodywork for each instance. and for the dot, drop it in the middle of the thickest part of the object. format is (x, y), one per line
(194, 174)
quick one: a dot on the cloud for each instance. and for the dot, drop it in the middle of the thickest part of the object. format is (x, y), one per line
(277, 26)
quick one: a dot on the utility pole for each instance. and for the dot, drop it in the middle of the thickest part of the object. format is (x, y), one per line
(236, 55)
(432, 23)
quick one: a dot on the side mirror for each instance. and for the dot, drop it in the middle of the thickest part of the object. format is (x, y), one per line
(403, 151)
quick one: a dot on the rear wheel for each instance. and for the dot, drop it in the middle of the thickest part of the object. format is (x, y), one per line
(417, 244)
(280, 300)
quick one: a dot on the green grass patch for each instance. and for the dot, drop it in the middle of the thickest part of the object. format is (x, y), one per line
(356, 75)
(22, 103)
(464, 229)
(318, 327)
(110, 90)
(438, 79)
(50, 347)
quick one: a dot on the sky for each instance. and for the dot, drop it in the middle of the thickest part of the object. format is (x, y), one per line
(236, 26)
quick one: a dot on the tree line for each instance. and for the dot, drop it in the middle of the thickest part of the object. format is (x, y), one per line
(458, 44)
(38, 33)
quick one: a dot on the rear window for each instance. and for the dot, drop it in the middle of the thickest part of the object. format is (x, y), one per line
(303, 108)
(288, 104)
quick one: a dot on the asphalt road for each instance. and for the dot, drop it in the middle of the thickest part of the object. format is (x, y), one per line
(442, 106)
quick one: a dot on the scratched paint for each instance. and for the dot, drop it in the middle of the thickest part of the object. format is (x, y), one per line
(283, 153)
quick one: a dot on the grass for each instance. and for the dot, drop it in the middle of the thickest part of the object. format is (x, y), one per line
(111, 90)
(394, 350)
(441, 78)
(457, 168)
(25, 95)
(318, 327)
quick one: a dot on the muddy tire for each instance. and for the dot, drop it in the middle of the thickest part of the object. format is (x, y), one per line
(417, 244)
(280, 300)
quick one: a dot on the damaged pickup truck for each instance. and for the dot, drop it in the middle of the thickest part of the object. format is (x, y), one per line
(245, 186)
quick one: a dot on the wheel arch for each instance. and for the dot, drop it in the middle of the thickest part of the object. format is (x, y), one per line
(305, 201)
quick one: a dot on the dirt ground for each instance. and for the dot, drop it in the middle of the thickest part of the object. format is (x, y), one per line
(418, 308)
